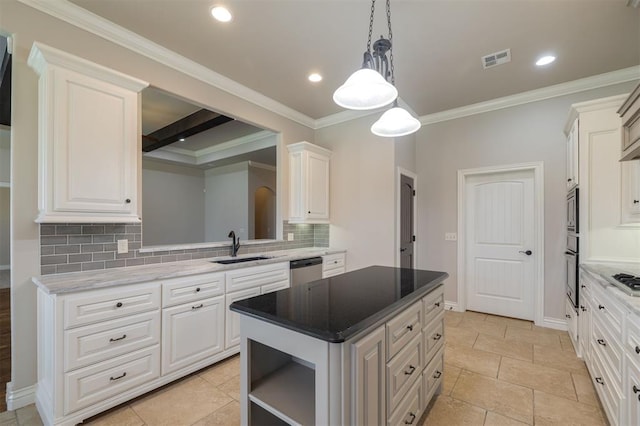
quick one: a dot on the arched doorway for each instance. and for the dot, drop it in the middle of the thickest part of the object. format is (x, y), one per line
(265, 213)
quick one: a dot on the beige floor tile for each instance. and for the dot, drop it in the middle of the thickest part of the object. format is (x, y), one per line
(447, 411)
(232, 388)
(452, 318)
(513, 322)
(459, 336)
(491, 394)
(483, 327)
(451, 374)
(124, 416)
(229, 415)
(559, 359)
(475, 316)
(535, 337)
(550, 380)
(28, 416)
(565, 342)
(584, 389)
(480, 362)
(547, 330)
(551, 410)
(495, 419)
(222, 371)
(8, 418)
(507, 347)
(181, 404)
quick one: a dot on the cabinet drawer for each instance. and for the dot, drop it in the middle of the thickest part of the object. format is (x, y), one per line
(185, 290)
(274, 287)
(432, 305)
(403, 328)
(432, 376)
(102, 305)
(402, 371)
(232, 321)
(409, 410)
(610, 350)
(99, 382)
(433, 336)
(632, 341)
(607, 310)
(99, 342)
(608, 392)
(255, 276)
(333, 264)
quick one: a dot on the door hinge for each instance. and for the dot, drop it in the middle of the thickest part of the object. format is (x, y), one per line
(414, 192)
(413, 238)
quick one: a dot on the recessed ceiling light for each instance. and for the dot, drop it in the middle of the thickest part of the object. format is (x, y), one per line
(315, 77)
(545, 60)
(221, 13)
(181, 139)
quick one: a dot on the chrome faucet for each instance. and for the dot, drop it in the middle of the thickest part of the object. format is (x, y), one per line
(235, 245)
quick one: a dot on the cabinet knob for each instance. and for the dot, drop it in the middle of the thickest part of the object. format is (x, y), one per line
(599, 380)
(635, 389)
(437, 375)
(119, 305)
(410, 422)
(410, 327)
(601, 307)
(601, 342)
(437, 304)
(438, 336)
(569, 180)
(128, 200)
(567, 316)
(410, 371)
(638, 349)
(309, 212)
(636, 201)
(197, 289)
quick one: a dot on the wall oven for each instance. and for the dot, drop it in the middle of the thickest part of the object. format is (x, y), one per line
(571, 258)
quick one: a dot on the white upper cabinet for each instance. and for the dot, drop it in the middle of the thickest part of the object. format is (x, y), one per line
(630, 207)
(630, 113)
(89, 132)
(309, 183)
(572, 156)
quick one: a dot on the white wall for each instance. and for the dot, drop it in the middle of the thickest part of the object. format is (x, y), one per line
(226, 202)
(5, 155)
(5, 256)
(525, 133)
(172, 204)
(362, 192)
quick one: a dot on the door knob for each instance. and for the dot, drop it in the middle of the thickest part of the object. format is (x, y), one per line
(528, 252)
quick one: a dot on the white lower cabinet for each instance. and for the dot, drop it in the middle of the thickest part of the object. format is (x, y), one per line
(192, 332)
(572, 322)
(369, 371)
(232, 335)
(334, 264)
(632, 392)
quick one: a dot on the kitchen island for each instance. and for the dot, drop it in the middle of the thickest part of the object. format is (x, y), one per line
(364, 347)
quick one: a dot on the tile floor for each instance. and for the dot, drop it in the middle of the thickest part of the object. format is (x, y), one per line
(498, 371)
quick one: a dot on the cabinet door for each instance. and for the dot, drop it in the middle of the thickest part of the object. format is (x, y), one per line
(232, 334)
(572, 322)
(369, 379)
(192, 332)
(317, 186)
(584, 324)
(633, 393)
(630, 191)
(572, 156)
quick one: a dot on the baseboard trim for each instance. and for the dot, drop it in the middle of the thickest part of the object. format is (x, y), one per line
(451, 306)
(555, 323)
(20, 397)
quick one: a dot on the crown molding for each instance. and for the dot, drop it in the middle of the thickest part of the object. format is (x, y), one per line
(82, 18)
(588, 83)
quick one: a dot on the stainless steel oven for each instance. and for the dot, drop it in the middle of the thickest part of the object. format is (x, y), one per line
(571, 257)
(572, 211)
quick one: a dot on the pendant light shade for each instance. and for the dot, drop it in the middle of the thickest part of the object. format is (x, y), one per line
(394, 123)
(365, 89)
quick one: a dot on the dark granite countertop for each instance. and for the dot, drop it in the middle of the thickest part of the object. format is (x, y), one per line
(335, 309)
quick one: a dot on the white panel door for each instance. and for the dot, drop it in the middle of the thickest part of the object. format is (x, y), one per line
(500, 232)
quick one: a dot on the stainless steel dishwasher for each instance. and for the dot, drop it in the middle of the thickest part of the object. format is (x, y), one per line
(305, 270)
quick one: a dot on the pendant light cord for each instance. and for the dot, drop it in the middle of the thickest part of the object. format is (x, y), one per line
(393, 77)
(373, 9)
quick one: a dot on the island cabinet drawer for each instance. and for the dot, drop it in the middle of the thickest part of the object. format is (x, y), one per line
(256, 276)
(402, 371)
(432, 305)
(433, 337)
(99, 342)
(632, 341)
(432, 377)
(99, 382)
(609, 348)
(606, 309)
(403, 329)
(101, 305)
(409, 409)
(189, 289)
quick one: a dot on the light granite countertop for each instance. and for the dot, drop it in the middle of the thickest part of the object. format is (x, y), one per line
(603, 274)
(105, 278)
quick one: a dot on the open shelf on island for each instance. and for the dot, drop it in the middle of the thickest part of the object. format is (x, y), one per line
(288, 393)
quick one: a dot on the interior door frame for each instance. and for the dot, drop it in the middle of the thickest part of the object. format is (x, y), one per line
(399, 172)
(538, 246)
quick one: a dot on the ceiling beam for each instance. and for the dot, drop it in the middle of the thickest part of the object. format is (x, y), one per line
(197, 122)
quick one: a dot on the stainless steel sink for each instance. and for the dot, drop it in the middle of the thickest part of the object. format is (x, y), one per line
(239, 260)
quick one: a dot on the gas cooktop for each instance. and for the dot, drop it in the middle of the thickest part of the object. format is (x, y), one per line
(628, 283)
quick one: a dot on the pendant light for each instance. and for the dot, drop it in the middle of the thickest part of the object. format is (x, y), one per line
(369, 88)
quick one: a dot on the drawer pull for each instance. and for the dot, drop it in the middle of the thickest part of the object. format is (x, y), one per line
(193, 308)
(438, 336)
(567, 316)
(601, 342)
(197, 289)
(124, 336)
(638, 349)
(113, 379)
(583, 286)
(411, 370)
(119, 305)
(601, 307)
(437, 375)
(410, 327)
(599, 380)
(583, 308)
(635, 389)
(410, 422)
(437, 304)
(335, 261)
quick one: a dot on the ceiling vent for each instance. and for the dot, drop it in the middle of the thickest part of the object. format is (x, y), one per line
(497, 58)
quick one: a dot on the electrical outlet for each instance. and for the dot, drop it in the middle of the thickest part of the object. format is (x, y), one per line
(290, 236)
(123, 246)
(450, 236)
